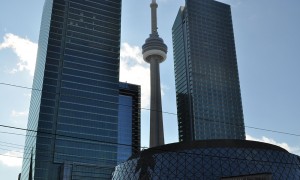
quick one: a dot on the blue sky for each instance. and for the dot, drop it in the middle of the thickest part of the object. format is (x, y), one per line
(268, 50)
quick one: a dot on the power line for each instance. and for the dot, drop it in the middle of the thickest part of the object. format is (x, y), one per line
(90, 140)
(11, 143)
(34, 89)
(19, 147)
(95, 166)
(14, 147)
(157, 149)
(44, 149)
(70, 136)
(18, 86)
(52, 151)
(250, 127)
(98, 141)
(29, 147)
(273, 131)
(67, 136)
(207, 120)
(21, 152)
(41, 150)
(3, 132)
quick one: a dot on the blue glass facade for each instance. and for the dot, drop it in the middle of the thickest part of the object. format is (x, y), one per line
(76, 113)
(211, 160)
(125, 128)
(209, 102)
(129, 121)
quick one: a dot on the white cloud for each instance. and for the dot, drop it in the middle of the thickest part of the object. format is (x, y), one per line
(132, 54)
(15, 113)
(12, 159)
(134, 70)
(24, 49)
(19, 118)
(294, 150)
(27, 95)
(163, 89)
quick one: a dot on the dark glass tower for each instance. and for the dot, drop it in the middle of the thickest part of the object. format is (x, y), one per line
(207, 83)
(129, 123)
(76, 113)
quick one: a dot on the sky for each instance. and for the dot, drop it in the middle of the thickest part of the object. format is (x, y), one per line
(268, 53)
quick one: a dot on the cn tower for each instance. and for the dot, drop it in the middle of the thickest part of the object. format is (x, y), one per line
(155, 52)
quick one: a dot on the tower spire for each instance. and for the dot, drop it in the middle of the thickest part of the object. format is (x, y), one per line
(155, 52)
(154, 17)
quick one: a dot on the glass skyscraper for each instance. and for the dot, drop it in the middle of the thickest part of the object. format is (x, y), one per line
(129, 123)
(75, 116)
(207, 83)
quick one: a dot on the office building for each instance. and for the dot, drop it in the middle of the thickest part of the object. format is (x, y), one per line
(129, 123)
(208, 94)
(74, 118)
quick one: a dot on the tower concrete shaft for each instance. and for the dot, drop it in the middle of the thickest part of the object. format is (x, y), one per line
(155, 52)
(156, 118)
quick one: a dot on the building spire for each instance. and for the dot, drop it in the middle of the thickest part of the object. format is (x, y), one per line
(154, 6)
